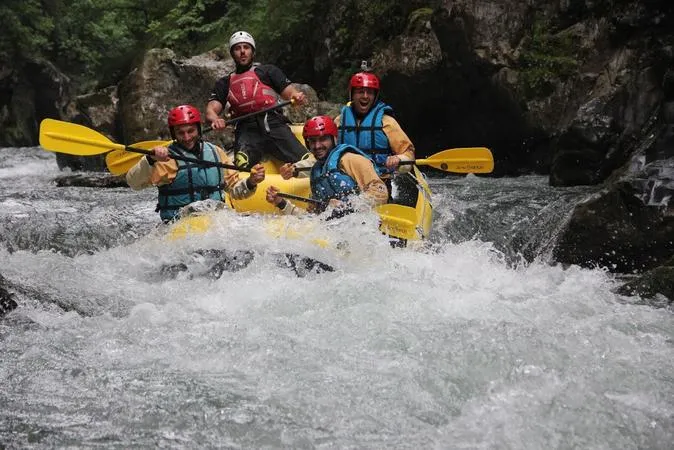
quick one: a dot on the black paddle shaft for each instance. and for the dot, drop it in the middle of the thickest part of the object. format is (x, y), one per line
(298, 198)
(188, 159)
(206, 130)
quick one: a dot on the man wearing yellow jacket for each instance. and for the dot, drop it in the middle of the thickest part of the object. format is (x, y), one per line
(180, 182)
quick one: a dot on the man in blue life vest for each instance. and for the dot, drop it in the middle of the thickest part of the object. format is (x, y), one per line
(368, 124)
(181, 183)
(340, 171)
(250, 88)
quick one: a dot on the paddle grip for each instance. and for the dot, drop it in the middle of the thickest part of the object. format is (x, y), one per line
(299, 198)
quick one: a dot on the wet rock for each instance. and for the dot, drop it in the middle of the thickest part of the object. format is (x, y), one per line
(652, 174)
(616, 230)
(7, 302)
(98, 180)
(656, 281)
(206, 263)
(97, 110)
(302, 265)
(163, 81)
(30, 92)
(581, 152)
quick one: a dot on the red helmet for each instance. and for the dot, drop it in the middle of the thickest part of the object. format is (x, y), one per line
(319, 126)
(183, 114)
(364, 79)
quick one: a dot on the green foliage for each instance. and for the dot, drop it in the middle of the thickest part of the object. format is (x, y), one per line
(26, 30)
(91, 36)
(378, 20)
(544, 59)
(338, 84)
(96, 41)
(189, 25)
(88, 39)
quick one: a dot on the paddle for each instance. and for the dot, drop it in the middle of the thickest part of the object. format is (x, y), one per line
(299, 198)
(456, 160)
(73, 139)
(119, 162)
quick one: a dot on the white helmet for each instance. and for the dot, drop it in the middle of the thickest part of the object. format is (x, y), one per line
(239, 37)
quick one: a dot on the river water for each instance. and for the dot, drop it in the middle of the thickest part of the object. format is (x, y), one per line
(461, 344)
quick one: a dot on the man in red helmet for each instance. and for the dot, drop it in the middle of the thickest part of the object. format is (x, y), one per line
(181, 183)
(250, 88)
(339, 172)
(368, 123)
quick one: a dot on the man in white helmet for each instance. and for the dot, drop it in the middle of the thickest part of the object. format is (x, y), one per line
(250, 88)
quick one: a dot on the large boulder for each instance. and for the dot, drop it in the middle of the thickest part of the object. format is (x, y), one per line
(159, 83)
(616, 230)
(608, 129)
(653, 284)
(97, 110)
(29, 93)
(7, 302)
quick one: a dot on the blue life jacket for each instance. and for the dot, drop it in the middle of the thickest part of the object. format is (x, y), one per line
(328, 181)
(369, 135)
(193, 182)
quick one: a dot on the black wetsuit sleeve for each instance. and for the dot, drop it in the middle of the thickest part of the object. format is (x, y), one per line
(272, 76)
(220, 90)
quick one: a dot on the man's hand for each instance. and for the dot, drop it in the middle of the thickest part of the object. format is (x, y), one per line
(287, 171)
(256, 174)
(272, 195)
(334, 203)
(160, 154)
(392, 162)
(213, 110)
(219, 124)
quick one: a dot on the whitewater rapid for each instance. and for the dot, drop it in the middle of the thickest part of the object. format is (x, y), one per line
(456, 345)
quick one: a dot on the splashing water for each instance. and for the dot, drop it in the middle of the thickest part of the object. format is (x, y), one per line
(458, 345)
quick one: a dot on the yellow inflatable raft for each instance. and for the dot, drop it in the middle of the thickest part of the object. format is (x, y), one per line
(408, 223)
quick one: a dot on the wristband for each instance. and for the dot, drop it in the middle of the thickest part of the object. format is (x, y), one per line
(249, 185)
(282, 204)
(150, 161)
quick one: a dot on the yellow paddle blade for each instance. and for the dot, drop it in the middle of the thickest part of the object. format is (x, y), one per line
(461, 160)
(398, 221)
(120, 162)
(73, 139)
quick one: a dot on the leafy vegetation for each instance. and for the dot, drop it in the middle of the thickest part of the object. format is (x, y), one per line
(96, 42)
(546, 57)
(26, 30)
(89, 39)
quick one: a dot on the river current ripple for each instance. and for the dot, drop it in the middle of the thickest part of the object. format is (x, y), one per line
(461, 344)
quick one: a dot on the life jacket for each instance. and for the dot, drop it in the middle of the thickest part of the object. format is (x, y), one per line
(247, 93)
(193, 182)
(328, 181)
(369, 135)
